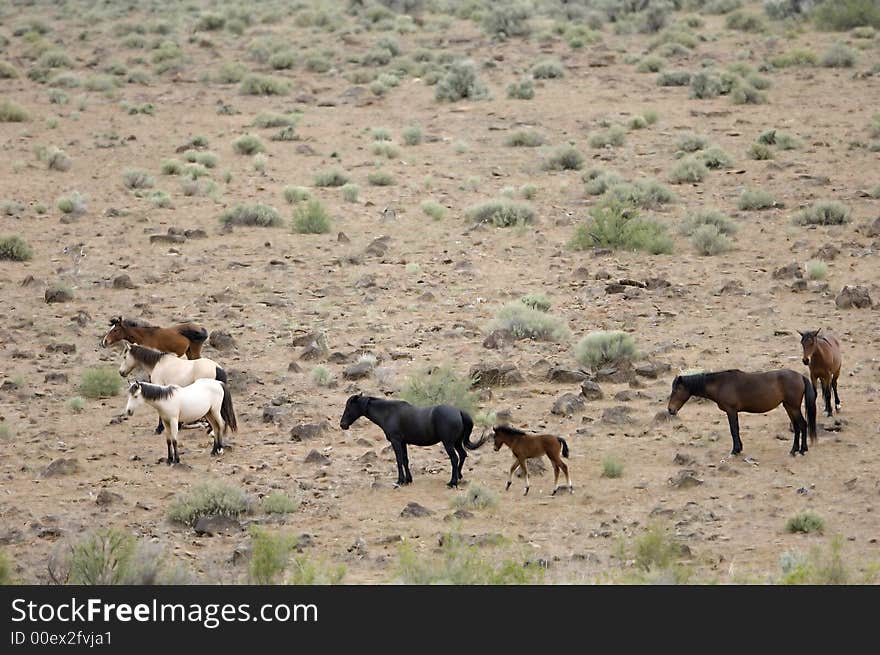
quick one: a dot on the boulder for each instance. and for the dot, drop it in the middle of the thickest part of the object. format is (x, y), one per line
(567, 404)
(855, 296)
(209, 526)
(61, 466)
(221, 340)
(591, 391)
(358, 371)
(492, 375)
(617, 415)
(58, 294)
(413, 509)
(563, 375)
(307, 431)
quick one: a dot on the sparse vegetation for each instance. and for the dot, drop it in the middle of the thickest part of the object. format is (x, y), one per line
(331, 177)
(100, 382)
(270, 553)
(536, 301)
(264, 85)
(524, 139)
(816, 269)
(603, 348)
(759, 151)
(439, 386)
(412, 135)
(76, 404)
(248, 144)
(525, 322)
(12, 113)
(502, 213)
(752, 199)
(617, 225)
(434, 209)
(295, 194)
(564, 158)
(381, 178)
(613, 136)
(136, 179)
(548, 69)
(322, 376)
(279, 502)
(114, 557)
(311, 218)
(688, 170)
(819, 567)
(216, 498)
(15, 248)
(696, 219)
(460, 82)
(611, 467)
(475, 497)
(709, 240)
(823, 213)
(522, 90)
(839, 55)
(72, 204)
(350, 192)
(674, 78)
(842, 15)
(254, 214)
(805, 522)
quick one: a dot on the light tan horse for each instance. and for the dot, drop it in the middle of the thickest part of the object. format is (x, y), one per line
(822, 355)
(525, 446)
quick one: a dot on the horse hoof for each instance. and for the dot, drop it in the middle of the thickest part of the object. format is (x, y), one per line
(554, 492)
(507, 487)
(526, 493)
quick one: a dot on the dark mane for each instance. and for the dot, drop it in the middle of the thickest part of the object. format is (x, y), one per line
(696, 383)
(157, 391)
(147, 356)
(135, 323)
(509, 430)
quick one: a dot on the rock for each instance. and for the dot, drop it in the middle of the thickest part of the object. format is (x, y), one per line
(493, 375)
(106, 497)
(209, 526)
(123, 282)
(855, 296)
(11, 536)
(378, 246)
(241, 554)
(617, 374)
(565, 375)
(358, 371)
(733, 288)
(792, 270)
(624, 396)
(535, 465)
(581, 273)
(340, 357)
(799, 285)
(293, 367)
(683, 459)
(618, 415)
(55, 378)
(615, 287)
(342, 238)
(652, 370)
(273, 414)
(368, 457)
(58, 294)
(413, 509)
(873, 229)
(167, 238)
(66, 348)
(653, 283)
(591, 391)
(567, 404)
(314, 457)
(221, 340)
(315, 348)
(663, 416)
(61, 467)
(197, 233)
(498, 339)
(685, 479)
(827, 253)
(307, 431)
(305, 339)
(366, 281)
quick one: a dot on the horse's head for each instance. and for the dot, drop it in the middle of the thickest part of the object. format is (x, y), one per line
(499, 441)
(504, 434)
(135, 398)
(808, 343)
(679, 396)
(354, 409)
(129, 363)
(116, 333)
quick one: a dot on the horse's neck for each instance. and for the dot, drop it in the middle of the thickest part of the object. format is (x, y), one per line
(139, 332)
(377, 409)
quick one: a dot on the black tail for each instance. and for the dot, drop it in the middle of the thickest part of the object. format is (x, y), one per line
(195, 335)
(468, 426)
(220, 374)
(564, 446)
(226, 411)
(810, 402)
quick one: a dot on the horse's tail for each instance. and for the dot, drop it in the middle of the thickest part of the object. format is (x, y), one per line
(194, 334)
(467, 428)
(220, 374)
(564, 446)
(810, 402)
(227, 413)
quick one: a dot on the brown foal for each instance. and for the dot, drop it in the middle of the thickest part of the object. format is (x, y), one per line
(822, 355)
(185, 338)
(525, 446)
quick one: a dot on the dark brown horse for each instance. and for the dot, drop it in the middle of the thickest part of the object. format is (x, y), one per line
(822, 355)
(178, 339)
(525, 446)
(756, 393)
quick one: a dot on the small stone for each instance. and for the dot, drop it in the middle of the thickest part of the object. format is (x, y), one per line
(221, 340)
(685, 479)
(652, 370)
(591, 391)
(563, 375)
(58, 295)
(61, 466)
(413, 509)
(792, 270)
(314, 457)
(493, 375)
(123, 282)
(618, 415)
(567, 404)
(358, 371)
(66, 348)
(683, 459)
(853, 296)
(498, 339)
(210, 526)
(55, 378)
(106, 497)
(307, 431)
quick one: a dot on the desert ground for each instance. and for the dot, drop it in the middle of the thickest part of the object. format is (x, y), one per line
(427, 294)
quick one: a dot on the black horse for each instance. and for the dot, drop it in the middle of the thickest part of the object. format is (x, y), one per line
(405, 424)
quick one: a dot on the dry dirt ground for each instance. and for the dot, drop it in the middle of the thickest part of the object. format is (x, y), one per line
(267, 286)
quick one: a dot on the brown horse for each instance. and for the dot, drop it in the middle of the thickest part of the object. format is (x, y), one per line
(178, 339)
(734, 391)
(525, 446)
(822, 355)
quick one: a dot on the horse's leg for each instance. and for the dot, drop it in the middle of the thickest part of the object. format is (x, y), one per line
(173, 429)
(161, 427)
(800, 432)
(555, 476)
(733, 420)
(453, 458)
(398, 454)
(525, 470)
(567, 476)
(215, 428)
(170, 459)
(826, 393)
(834, 389)
(462, 455)
(406, 472)
(510, 475)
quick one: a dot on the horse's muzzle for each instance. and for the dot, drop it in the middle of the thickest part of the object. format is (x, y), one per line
(497, 448)
(130, 412)
(806, 361)
(672, 412)
(344, 425)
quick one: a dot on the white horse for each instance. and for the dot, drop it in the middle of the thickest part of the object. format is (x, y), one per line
(207, 399)
(168, 368)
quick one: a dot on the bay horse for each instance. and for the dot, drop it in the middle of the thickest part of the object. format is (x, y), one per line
(208, 399)
(168, 368)
(822, 355)
(185, 338)
(525, 446)
(735, 391)
(405, 424)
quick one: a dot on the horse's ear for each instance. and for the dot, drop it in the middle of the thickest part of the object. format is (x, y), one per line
(116, 320)
(818, 331)
(800, 333)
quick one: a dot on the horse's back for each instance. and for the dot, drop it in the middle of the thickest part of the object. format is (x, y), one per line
(429, 424)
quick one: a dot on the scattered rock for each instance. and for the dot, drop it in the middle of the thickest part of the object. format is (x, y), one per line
(498, 339)
(55, 378)
(617, 374)
(682, 459)
(58, 294)
(273, 414)
(664, 416)
(366, 281)
(307, 431)
(652, 370)
(123, 282)
(61, 466)
(493, 375)
(342, 238)
(106, 497)
(315, 348)
(799, 285)
(536, 467)
(221, 340)
(873, 229)
(685, 479)
(378, 246)
(853, 296)
(460, 514)
(358, 371)
(368, 457)
(413, 509)
(314, 457)
(66, 348)
(208, 526)
(167, 238)
(617, 415)
(827, 253)
(11, 536)
(792, 270)
(565, 375)
(733, 288)
(591, 391)
(568, 404)
(581, 273)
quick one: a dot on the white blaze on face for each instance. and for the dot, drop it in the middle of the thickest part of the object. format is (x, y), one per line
(135, 400)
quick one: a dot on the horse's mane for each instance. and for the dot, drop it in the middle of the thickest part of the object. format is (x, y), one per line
(696, 383)
(147, 356)
(157, 391)
(135, 323)
(509, 430)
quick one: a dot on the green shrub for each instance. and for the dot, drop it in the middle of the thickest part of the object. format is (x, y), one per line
(839, 55)
(270, 119)
(650, 65)
(381, 178)
(524, 139)
(135, 179)
(260, 162)
(745, 94)
(279, 502)
(248, 144)
(655, 549)
(688, 170)
(55, 59)
(637, 123)
(613, 136)
(502, 213)
(295, 194)
(282, 60)
(713, 217)
(751, 199)
(100, 83)
(548, 69)
(818, 568)
(160, 199)
(171, 167)
(504, 20)
(412, 135)
(843, 15)
(350, 192)
(705, 85)
(816, 269)
(709, 240)
(7, 71)
(384, 149)
(12, 113)
(210, 22)
(564, 158)
(805, 522)
(304, 572)
(104, 557)
(536, 301)
(647, 194)
(715, 158)
(475, 497)
(759, 151)
(74, 203)
(602, 348)
(264, 85)
(311, 218)
(598, 181)
(330, 177)
(15, 248)
(230, 73)
(270, 554)
(745, 22)
(434, 209)
(460, 564)
(100, 382)
(796, 57)
(525, 322)
(439, 386)
(522, 90)
(76, 404)
(460, 82)
(674, 78)
(823, 213)
(208, 499)
(254, 214)
(611, 467)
